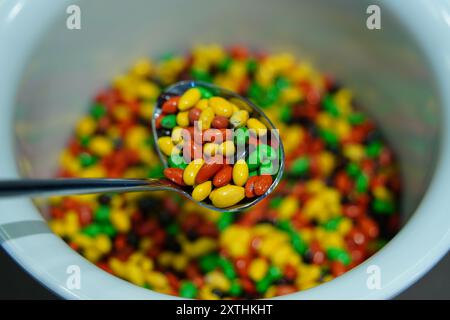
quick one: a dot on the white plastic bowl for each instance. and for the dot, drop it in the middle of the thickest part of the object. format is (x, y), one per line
(401, 75)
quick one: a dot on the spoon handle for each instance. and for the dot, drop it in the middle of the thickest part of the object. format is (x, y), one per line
(68, 186)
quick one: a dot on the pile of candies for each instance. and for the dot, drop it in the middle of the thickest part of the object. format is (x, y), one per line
(337, 204)
(211, 141)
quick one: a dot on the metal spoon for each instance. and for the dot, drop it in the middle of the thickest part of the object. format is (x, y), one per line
(74, 186)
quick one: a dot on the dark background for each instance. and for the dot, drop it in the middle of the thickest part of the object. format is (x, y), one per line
(17, 284)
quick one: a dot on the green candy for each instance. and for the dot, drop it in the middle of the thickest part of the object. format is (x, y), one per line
(337, 254)
(102, 214)
(255, 91)
(92, 230)
(300, 166)
(262, 153)
(98, 110)
(330, 106)
(285, 225)
(275, 202)
(352, 169)
(285, 114)
(177, 161)
(263, 284)
(109, 230)
(87, 160)
(267, 97)
(252, 65)
(206, 93)
(268, 167)
(224, 65)
(227, 268)
(383, 206)
(235, 289)
(282, 83)
(274, 273)
(201, 75)
(225, 220)
(332, 224)
(253, 173)
(188, 290)
(209, 262)
(173, 229)
(169, 121)
(356, 118)
(330, 138)
(84, 141)
(156, 172)
(362, 183)
(241, 136)
(373, 150)
(298, 243)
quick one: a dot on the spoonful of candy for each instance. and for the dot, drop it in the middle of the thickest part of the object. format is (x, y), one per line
(217, 148)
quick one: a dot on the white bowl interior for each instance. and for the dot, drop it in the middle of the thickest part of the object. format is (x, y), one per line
(385, 69)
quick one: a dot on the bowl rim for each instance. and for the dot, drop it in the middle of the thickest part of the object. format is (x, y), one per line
(46, 257)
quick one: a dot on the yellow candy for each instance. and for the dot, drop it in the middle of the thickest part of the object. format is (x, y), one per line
(202, 191)
(117, 266)
(382, 193)
(239, 118)
(102, 243)
(189, 99)
(206, 117)
(96, 171)
(92, 254)
(165, 145)
(227, 196)
(227, 148)
(81, 240)
(183, 119)
(271, 292)
(165, 258)
(210, 149)
(202, 104)
(135, 137)
(281, 255)
(177, 135)
(240, 172)
(120, 220)
(345, 226)
(257, 126)
(205, 293)
(288, 207)
(180, 262)
(258, 269)
(218, 280)
(326, 162)
(101, 146)
(121, 112)
(142, 68)
(148, 91)
(146, 264)
(190, 172)
(291, 95)
(86, 127)
(354, 152)
(157, 280)
(57, 227)
(221, 106)
(71, 223)
(146, 110)
(134, 274)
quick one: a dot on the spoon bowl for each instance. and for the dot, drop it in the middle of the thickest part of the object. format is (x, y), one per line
(177, 90)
